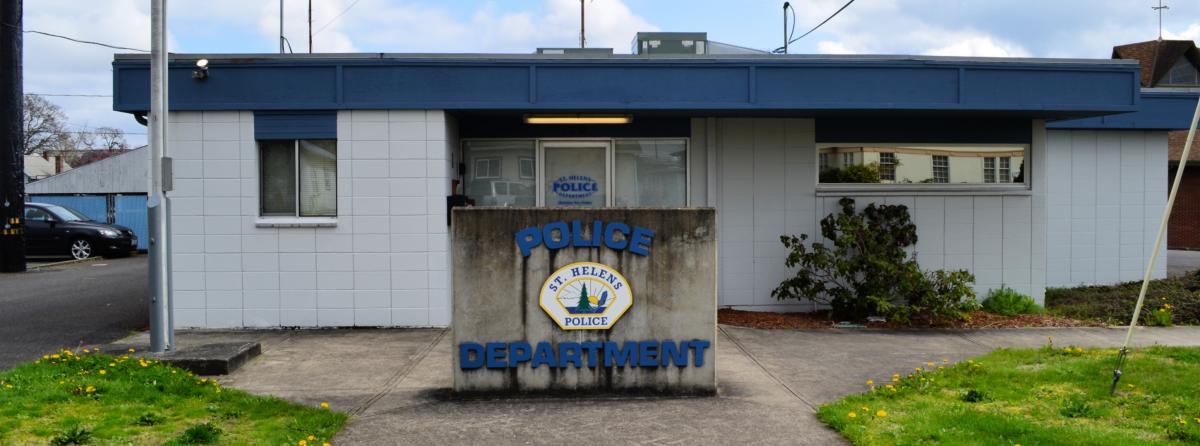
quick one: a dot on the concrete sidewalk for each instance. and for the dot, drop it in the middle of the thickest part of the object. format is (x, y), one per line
(394, 384)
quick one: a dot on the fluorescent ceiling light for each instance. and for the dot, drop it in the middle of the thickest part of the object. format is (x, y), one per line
(578, 119)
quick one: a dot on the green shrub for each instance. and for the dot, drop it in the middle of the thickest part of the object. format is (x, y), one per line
(867, 272)
(1007, 302)
(204, 433)
(1161, 317)
(854, 173)
(149, 419)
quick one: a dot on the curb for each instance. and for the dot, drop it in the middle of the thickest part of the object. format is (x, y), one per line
(66, 262)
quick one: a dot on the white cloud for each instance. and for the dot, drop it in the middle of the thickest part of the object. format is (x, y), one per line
(831, 47)
(978, 45)
(1191, 33)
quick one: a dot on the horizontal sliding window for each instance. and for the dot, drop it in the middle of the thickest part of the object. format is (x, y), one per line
(978, 164)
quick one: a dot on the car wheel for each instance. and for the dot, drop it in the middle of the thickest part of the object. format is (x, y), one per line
(81, 249)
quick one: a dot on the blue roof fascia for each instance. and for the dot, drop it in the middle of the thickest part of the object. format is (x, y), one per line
(1073, 89)
(1159, 110)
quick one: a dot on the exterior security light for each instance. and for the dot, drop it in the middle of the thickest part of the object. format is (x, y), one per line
(578, 119)
(201, 71)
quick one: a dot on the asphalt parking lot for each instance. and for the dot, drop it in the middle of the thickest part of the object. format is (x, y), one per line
(85, 303)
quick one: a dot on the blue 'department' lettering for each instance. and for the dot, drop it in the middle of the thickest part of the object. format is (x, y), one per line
(591, 354)
(559, 234)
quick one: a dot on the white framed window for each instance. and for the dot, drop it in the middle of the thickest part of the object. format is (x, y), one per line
(848, 159)
(997, 169)
(488, 168)
(297, 178)
(823, 162)
(941, 169)
(887, 166)
(527, 167)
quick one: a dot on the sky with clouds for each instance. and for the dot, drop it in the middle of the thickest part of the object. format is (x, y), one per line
(1008, 28)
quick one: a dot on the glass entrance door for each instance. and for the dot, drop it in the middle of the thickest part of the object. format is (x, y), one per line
(575, 173)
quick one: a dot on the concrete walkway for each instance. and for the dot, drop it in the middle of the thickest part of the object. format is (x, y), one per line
(1181, 262)
(394, 384)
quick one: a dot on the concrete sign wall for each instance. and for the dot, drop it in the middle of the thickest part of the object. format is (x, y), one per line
(591, 300)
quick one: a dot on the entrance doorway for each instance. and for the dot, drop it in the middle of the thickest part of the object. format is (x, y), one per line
(575, 173)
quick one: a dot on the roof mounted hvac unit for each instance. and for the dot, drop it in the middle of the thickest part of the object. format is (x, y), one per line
(670, 43)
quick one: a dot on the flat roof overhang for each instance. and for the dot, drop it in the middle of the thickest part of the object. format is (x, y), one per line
(1161, 109)
(732, 85)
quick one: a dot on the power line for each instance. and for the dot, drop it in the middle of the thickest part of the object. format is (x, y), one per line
(823, 22)
(88, 42)
(344, 11)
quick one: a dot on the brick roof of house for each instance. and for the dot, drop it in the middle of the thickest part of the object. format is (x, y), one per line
(1157, 56)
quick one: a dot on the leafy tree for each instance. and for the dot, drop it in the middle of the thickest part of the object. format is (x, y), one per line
(866, 271)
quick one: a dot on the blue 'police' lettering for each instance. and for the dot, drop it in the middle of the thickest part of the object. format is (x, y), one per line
(559, 235)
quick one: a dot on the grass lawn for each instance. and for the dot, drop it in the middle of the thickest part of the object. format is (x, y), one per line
(1047, 396)
(88, 398)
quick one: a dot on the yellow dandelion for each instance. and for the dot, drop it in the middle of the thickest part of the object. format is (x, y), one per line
(929, 364)
(918, 369)
(940, 367)
(302, 442)
(866, 409)
(324, 404)
(311, 438)
(45, 356)
(56, 356)
(326, 444)
(86, 351)
(945, 361)
(881, 413)
(112, 364)
(131, 350)
(103, 372)
(90, 389)
(8, 386)
(870, 382)
(852, 415)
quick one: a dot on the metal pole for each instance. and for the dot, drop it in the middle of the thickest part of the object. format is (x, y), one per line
(785, 34)
(582, 30)
(160, 317)
(309, 26)
(280, 26)
(12, 146)
(1158, 242)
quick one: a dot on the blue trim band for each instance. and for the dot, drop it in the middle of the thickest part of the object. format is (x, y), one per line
(795, 86)
(295, 125)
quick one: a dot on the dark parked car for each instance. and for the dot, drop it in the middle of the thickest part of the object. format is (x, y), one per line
(56, 230)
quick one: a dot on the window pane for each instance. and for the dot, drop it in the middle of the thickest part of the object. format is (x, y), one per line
(576, 176)
(318, 178)
(278, 179)
(915, 164)
(496, 173)
(651, 173)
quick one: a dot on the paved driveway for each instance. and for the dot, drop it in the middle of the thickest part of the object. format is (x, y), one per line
(393, 383)
(1181, 262)
(84, 303)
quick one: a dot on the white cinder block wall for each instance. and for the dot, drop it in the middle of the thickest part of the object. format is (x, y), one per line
(1106, 194)
(383, 264)
(764, 180)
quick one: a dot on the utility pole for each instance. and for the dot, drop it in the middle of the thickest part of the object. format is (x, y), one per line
(582, 30)
(12, 150)
(309, 26)
(161, 327)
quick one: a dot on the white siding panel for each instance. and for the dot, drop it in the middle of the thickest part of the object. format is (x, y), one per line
(232, 273)
(1107, 190)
